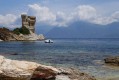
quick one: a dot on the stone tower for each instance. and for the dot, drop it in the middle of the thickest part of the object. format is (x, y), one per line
(28, 22)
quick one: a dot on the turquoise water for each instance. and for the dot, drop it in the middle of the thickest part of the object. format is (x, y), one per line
(79, 53)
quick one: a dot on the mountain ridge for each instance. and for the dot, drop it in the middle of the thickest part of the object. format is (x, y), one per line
(85, 30)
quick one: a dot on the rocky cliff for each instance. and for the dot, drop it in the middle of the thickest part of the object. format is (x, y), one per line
(7, 35)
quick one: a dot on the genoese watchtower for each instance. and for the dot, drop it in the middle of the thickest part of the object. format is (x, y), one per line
(28, 22)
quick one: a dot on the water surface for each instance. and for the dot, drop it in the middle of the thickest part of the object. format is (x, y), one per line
(80, 53)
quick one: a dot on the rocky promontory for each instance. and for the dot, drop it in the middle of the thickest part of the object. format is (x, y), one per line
(8, 35)
(25, 70)
(25, 33)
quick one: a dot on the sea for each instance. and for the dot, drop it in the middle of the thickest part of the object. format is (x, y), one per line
(85, 54)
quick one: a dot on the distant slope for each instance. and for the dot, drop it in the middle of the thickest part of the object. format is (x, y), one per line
(85, 30)
(43, 29)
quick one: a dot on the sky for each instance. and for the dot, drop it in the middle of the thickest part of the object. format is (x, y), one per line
(59, 13)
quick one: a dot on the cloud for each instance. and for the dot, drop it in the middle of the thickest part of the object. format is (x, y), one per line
(63, 19)
(7, 19)
(42, 13)
(102, 20)
(45, 16)
(115, 15)
(90, 14)
(83, 12)
(86, 12)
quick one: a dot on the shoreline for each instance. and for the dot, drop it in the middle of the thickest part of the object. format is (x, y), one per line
(106, 74)
(26, 70)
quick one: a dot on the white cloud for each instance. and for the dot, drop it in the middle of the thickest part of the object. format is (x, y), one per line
(107, 20)
(116, 15)
(83, 12)
(42, 13)
(63, 19)
(45, 16)
(103, 20)
(90, 14)
(86, 12)
(7, 19)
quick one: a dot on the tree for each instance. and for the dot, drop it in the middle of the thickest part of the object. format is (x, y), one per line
(16, 31)
(22, 30)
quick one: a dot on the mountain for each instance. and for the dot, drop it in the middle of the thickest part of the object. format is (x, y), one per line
(85, 30)
(43, 29)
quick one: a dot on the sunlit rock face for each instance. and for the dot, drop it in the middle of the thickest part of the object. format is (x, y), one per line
(24, 70)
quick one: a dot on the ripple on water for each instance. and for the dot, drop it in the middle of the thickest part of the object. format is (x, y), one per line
(80, 53)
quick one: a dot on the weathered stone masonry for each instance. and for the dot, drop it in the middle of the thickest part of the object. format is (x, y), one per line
(28, 22)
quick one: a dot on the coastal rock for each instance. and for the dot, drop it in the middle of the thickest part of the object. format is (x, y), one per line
(24, 70)
(6, 35)
(41, 37)
(33, 37)
(1, 40)
(25, 33)
(73, 74)
(62, 77)
(112, 60)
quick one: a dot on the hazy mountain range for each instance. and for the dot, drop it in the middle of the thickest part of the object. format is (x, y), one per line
(81, 30)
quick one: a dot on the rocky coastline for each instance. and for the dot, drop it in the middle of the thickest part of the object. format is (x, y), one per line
(7, 35)
(25, 70)
(25, 33)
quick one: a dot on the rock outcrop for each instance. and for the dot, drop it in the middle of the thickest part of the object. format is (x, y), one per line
(25, 33)
(112, 60)
(7, 35)
(73, 74)
(1, 40)
(24, 70)
(31, 37)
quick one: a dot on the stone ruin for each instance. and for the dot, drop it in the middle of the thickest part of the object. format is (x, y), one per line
(28, 22)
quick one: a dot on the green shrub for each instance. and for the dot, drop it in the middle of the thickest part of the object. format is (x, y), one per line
(22, 30)
(16, 31)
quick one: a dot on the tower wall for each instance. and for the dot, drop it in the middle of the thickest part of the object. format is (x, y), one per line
(29, 22)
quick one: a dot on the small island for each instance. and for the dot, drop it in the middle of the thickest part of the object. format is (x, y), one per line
(25, 33)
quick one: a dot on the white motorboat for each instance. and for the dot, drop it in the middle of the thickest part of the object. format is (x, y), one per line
(48, 41)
